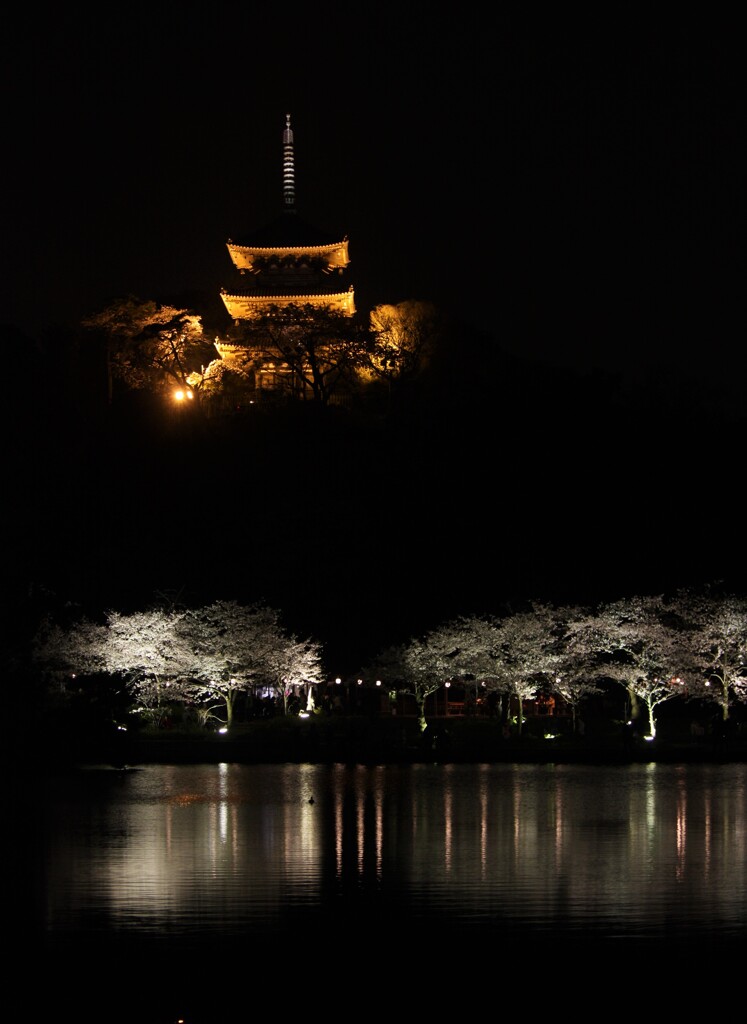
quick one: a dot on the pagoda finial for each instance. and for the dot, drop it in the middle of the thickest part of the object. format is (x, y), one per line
(289, 179)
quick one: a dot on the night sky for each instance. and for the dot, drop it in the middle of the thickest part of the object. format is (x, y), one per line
(573, 192)
(587, 187)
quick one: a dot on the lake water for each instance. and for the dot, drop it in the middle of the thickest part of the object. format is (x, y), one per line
(175, 888)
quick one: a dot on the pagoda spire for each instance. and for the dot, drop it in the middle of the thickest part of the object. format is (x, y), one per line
(289, 177)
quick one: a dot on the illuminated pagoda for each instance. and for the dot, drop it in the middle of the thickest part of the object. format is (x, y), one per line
(288, 263)
(286, 270)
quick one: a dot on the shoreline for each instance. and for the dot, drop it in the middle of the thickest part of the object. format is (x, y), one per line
(350, 740)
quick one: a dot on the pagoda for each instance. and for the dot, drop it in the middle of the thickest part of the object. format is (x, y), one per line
(287, 268)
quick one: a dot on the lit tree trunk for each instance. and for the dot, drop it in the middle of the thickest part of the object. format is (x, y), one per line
(505, 709)
(420, 701)
(723, 691)
(651, 721)
(228, 697)
(635, 707)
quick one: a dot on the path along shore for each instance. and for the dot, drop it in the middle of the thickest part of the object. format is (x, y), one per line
(331, 740)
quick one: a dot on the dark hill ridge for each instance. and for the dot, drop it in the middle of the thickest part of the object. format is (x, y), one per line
(494, 480)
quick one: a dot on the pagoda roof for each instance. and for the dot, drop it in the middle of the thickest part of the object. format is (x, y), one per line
(250, 287)
(245, 306)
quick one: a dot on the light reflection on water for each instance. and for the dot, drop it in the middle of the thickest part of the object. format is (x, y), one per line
(217, 851)
(219, 877)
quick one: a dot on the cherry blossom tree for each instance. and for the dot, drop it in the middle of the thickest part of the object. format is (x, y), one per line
(140, 649)
(148, 650)
(637, 643)
(226, 382)
(514, 654)
(715, 639)
(292, 664)
(150, 346)
(65, 651)
(575, 674)
(403, 336)
(575, 689)
(173, 655)
(418, 667)
(234, 648)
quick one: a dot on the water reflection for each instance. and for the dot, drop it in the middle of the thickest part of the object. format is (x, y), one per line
(215, 851)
